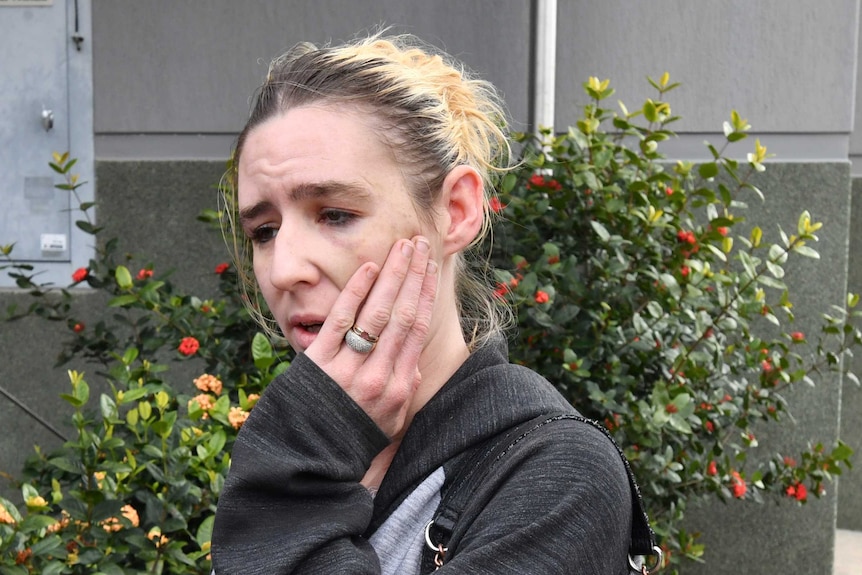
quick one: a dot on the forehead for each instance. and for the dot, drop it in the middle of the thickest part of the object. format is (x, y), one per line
(318, 141)
(320, 153)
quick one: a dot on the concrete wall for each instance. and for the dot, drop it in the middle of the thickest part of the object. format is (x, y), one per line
(172, 81)
(204, 59)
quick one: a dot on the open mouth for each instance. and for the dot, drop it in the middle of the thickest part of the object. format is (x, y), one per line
(311, 327)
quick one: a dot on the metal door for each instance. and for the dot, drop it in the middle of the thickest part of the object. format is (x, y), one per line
(35, 49)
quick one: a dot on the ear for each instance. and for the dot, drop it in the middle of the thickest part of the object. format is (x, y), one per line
(463, 205)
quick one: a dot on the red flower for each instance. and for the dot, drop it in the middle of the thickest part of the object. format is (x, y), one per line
(686, 236)
(221, 268)
(539, 181)
(797, 336)
(23, 556)
(144, 274)
(789, 461)
(684, 271)
(668, 191)
(80, 275)
(496, 205)
(738, 487)
(501, 291)
(722, 230)
(671, 408)
(712, 468)
(542, 297)
(189, 346)
(553, 260)
(798, 491)
(710, 426)
(78, 328)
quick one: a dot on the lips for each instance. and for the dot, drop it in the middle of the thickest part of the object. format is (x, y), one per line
(303, 331)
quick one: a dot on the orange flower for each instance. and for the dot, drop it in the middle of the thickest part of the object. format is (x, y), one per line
(131, 514)
(204, 401)
(155, 535)
(189, 346)
(114, 524)
(5, 516)
(61, 523)
(208, 382)
(237, 417)
(542, 297)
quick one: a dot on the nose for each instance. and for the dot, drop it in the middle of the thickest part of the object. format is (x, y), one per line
(293, 262)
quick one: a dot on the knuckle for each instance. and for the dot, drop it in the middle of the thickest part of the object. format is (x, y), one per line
(379, 318)
(405, 317)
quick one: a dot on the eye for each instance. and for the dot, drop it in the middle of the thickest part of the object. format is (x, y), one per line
(263, 234)
(333, 217)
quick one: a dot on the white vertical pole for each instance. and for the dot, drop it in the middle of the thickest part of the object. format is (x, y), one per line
(546, 63)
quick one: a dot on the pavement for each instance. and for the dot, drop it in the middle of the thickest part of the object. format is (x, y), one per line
(848, 552)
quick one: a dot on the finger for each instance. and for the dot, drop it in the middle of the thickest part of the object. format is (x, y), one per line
(343, 313)
(414, 343)
(376, 311)
(405, 307)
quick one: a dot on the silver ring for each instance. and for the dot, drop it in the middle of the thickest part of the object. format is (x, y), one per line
(360, 340)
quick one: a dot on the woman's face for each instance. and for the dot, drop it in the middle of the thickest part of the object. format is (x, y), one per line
(319, 194)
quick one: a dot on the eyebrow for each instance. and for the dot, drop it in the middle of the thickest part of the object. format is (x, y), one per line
(328, 189)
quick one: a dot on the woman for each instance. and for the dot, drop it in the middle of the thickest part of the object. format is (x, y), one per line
(360, 188)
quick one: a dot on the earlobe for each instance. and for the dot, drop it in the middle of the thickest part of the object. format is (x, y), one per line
(464, 201)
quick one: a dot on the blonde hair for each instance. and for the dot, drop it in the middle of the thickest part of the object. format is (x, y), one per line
(434, 115)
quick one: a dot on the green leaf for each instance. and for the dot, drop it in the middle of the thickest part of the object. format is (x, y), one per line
(842, 452)
(122, 300)
(260, 347)
(108, 407)
(508, 184)
(123, 277)
(601, 230)
(806, 251)
(67, 464)
(708, 170)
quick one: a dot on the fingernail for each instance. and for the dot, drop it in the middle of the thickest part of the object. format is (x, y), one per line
(407, 249)
(431, 268)
(422, 245)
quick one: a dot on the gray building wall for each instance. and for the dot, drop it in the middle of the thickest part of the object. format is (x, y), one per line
(171, 88)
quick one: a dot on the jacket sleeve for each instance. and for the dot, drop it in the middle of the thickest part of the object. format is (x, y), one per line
(558, 503)
(292, 502)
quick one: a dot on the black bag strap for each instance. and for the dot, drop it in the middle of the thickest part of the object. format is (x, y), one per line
(478, 465)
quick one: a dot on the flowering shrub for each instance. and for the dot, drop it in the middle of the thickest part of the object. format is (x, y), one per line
(135, 489)
(634, 296)
(641, 297)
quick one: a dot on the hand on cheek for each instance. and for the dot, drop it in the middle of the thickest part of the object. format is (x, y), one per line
(394, 304)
